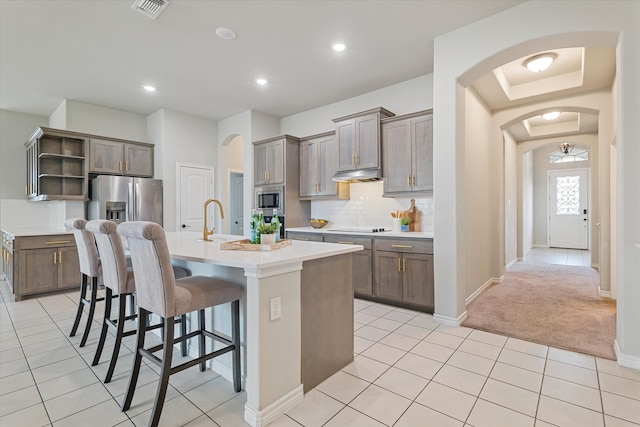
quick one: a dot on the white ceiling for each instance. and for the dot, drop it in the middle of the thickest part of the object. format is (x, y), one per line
(102, 52)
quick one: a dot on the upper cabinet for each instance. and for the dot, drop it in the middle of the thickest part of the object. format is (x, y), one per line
(116, 157)
(358, 139)
(318, 163)
(269, 161)
(56, 168)
(407, 144)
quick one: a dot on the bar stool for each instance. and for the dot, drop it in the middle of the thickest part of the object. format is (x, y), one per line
(159, 292)
(119, 281)
(90, 268)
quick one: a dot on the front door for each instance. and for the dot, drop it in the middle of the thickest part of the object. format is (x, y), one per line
(195, 186)
(568, 209)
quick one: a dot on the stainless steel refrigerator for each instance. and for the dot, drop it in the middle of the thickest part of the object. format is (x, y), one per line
(123, 198)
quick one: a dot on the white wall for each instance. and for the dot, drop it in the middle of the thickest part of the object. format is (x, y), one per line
(99, 120)
(184, 139)
(510, 200)
(402, 98)
(532, 29)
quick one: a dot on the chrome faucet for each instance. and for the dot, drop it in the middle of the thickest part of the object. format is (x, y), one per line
(206, 232)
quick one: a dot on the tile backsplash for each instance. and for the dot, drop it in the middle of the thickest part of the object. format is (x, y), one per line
(367, 208)
(21, 213)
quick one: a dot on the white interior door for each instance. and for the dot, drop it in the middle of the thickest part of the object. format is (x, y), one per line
(195, 186)
(568, 209)
(236, 194)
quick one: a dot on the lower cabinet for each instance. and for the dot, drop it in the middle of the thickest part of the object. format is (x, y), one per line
(404, 271)
(362, 261)
(314, 237)
(45, 264)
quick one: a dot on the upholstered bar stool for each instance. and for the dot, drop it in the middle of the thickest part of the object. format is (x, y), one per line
(90, 269)
(119, 281)
(159, 292)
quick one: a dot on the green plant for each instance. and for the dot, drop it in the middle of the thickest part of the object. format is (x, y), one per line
(405, 220)
(267, 228)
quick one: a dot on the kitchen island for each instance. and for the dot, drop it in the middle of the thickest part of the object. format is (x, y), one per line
(297, 310)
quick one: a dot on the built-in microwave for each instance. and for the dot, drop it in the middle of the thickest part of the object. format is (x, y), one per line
(270, 198)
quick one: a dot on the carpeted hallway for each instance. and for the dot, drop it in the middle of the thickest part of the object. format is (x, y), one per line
(555, 305)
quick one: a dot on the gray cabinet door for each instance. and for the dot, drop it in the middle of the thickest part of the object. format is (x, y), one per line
(68, 268)
(397, 156)
(362, 273)
(422, 131)
(308, 167)
(106, 157)
(388, 270)
(275, 163)
(367, 141)
(38, 271)
(260, 164)
(138, 160)
(346, 135)
(418, 279)
(327, 166)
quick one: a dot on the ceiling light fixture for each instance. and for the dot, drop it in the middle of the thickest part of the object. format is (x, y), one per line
(225, 33)
(339, 47)
(540, 62)
(261, 81)
(566, 147)
(551, 115)
(149, 88)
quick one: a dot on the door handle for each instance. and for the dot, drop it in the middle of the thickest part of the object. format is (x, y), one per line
(235, 222)
(185, 226)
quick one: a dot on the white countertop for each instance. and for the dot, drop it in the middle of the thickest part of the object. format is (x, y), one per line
(402, 234)
(35, 231)
(188, 246)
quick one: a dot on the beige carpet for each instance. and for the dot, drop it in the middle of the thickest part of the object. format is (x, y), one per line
(555, 305)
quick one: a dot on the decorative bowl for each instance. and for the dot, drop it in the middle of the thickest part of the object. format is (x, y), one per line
(318, 223)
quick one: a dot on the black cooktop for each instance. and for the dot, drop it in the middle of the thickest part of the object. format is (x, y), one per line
(360, 230)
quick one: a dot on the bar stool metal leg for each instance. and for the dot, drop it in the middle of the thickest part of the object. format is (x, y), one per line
(201, 340)
(119, 335)
(137, 360)
(81, 303)
(235, 332)
(92, 309)
(105, 327)
(167, 355)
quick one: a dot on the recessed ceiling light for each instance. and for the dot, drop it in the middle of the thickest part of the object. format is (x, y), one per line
(551, 116)
(261, 81)
(149, 88)
(225, 33)
(540, 62)
(339, 47)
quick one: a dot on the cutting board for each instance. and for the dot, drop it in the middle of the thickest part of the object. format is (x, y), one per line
(414, 214)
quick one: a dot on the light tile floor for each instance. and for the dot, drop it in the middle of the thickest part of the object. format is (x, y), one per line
(408, 371)
(559, 256)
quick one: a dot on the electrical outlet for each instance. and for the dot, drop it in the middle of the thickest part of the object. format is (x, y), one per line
(276, 308)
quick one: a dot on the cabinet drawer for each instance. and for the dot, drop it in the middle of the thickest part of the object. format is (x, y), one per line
(404, 245)
(348, 239)
(36, 242)
(314, 237)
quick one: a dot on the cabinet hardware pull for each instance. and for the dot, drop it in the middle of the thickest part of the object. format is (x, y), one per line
(54, 257)
(57, 242)
(404, 264)
(414, 180)
(399, 264)
(346, 243)
(357, 159)
(26, 190)
(120, 165)
(409, 180)
(60, 257)
(402, 246)
(126, 166)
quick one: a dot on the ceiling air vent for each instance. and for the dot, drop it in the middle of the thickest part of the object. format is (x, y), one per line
(151, 8)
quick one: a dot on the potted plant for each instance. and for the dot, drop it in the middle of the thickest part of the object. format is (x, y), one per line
(404, 223)
(267, 233)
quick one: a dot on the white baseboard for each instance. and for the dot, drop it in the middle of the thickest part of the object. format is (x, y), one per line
(272, 412)
(482, 288)
(513, 261)
(596, 266)
(540, 246)
(605, 294)
(450, 321)
(521, 259)
(626, 360)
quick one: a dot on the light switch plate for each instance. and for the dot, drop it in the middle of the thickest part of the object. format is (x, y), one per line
(276, 308)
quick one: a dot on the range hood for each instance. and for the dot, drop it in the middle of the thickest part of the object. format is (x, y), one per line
(358, 175)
